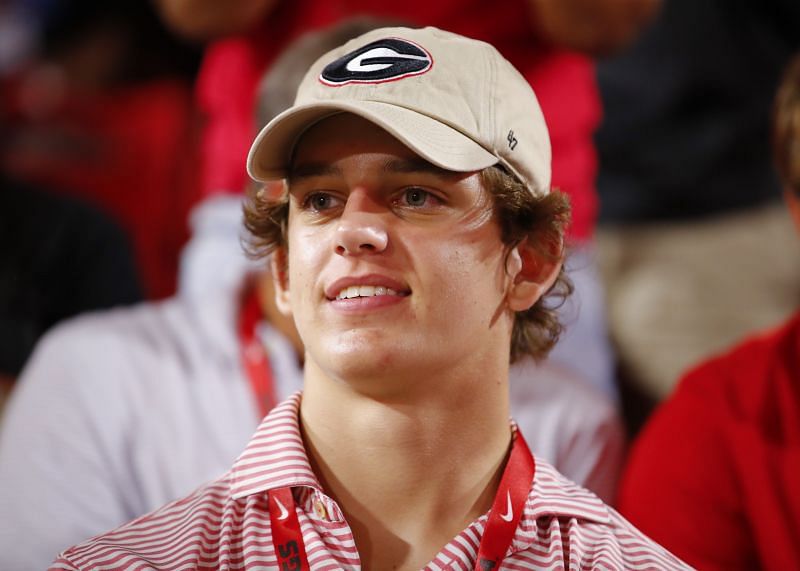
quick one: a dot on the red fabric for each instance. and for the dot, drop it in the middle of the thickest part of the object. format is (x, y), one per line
(715, 475)
(564, 83)
(132, 151)
(255, 359)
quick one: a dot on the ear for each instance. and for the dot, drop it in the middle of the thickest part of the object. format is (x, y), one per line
(532, 274)
(279, 267)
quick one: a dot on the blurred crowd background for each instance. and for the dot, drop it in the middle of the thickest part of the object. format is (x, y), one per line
(101, 135)
(108, 143)
(98, 158)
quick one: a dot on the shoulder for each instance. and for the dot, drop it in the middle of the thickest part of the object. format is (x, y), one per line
(565, 520)
(168, 534)
(554, 495)
(745, 384)
(760, 349)
(113, 327)
(149, 332)
(744, 380)
(100, 363)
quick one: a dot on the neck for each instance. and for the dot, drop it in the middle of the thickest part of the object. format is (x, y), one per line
(409, 474)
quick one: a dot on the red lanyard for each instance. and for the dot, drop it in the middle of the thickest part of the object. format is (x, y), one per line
(509, 502)
(504, 516)
(287, 539)
(254, 357)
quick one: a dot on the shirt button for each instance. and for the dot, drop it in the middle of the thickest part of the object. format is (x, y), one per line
(319, 509)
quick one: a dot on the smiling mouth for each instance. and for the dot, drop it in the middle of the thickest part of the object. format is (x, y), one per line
(357, 291)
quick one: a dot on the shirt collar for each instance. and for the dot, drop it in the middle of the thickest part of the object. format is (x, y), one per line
(275, 456)
(555, 495)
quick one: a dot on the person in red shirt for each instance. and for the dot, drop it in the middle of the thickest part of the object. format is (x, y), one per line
(714, 475)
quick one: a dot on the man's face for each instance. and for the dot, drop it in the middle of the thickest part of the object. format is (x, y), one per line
(395, 267)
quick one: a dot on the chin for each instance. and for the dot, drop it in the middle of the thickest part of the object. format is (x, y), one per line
(365, 366)
(362, 364)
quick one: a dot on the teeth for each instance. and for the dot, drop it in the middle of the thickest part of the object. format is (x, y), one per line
(364, 291)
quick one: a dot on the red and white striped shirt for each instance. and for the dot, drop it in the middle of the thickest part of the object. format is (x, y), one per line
(226, 524)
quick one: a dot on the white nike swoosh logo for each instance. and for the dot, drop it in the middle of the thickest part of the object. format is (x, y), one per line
(509, 510)
(284, 511)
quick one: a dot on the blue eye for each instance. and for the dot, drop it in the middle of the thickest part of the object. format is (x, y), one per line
(416, 197)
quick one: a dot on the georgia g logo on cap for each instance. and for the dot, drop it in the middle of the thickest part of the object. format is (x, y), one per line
(382, 60)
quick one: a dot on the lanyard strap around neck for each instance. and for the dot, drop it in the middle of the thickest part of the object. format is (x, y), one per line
(508, 505)
(502, 522)
(287, 538)
(254, 358)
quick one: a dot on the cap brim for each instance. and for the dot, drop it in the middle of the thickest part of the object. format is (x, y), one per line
(436, 142)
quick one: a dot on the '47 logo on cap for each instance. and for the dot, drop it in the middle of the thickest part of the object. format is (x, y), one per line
(382, 60)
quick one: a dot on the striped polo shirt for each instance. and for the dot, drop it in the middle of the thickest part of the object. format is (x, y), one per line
(225, 524)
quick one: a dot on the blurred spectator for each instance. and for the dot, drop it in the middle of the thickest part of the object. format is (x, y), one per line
(690, 212)
(714, 475)
(540, 37)
(19, 35)
(58, 258)
(103, 110)
(120, 412)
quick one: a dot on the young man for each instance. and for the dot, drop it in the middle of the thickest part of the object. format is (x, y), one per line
(164, 396)
(413, 248)
(714, 475)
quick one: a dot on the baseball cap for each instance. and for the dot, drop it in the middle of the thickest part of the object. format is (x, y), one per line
(453, 100)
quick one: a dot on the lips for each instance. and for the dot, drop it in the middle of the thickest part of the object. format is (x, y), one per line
(372, 285)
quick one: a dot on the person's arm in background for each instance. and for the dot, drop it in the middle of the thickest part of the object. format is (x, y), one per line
(594, 27)
(202, 20)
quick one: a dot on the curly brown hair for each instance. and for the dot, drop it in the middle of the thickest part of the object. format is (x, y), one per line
(542, 220)
(786, 127)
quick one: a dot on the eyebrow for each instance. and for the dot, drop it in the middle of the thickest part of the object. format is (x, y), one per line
(392, 166)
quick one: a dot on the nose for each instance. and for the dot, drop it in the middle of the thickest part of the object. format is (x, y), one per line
(361, 228)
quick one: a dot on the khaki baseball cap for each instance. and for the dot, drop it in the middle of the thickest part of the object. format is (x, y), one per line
(454, 101)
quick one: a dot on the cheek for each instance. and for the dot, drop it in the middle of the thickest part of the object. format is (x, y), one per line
(305, 253)
(470, 270)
